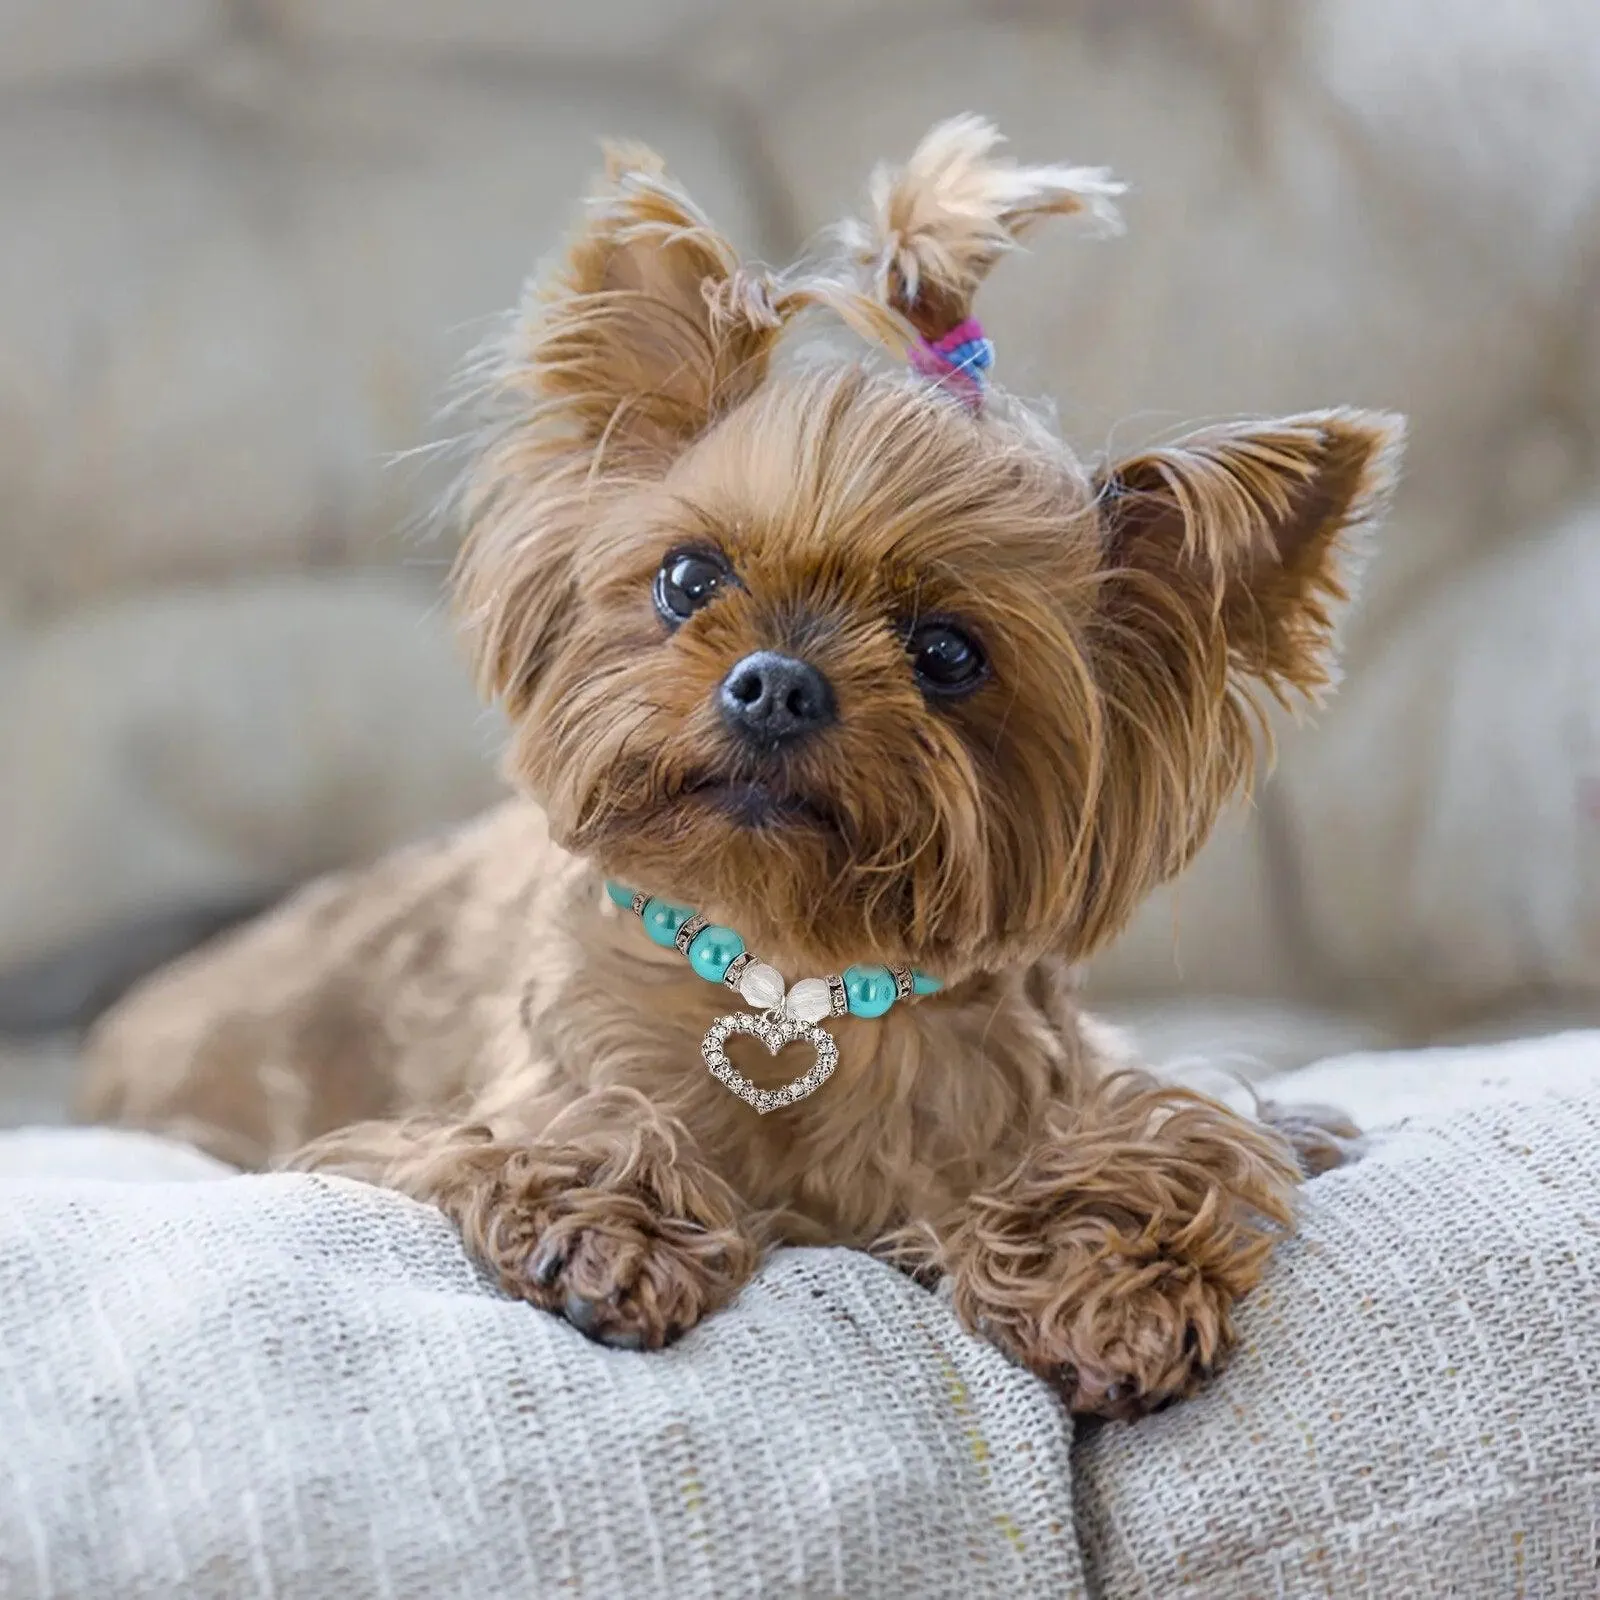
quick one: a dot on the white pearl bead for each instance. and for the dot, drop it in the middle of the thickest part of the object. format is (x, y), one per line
(809, 1000)
(761, 986)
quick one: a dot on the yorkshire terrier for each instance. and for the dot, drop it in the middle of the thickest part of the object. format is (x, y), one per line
(845, 692)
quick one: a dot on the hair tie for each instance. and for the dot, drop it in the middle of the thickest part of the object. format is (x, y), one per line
(958, 361)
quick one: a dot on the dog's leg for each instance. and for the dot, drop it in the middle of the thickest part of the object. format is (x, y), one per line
(1109, 1259)
(603, 1213)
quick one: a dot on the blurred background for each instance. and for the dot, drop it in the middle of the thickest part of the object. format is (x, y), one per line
(243, 243)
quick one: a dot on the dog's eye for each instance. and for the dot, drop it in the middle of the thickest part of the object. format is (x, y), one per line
(945, 660)
(688, 579)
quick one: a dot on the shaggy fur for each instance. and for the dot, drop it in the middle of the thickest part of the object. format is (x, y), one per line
(474, 1024)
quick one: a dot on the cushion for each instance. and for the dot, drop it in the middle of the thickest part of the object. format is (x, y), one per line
(300, 1386)
(1413, 1410)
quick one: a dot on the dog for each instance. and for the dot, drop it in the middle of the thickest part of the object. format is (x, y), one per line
(852, 672)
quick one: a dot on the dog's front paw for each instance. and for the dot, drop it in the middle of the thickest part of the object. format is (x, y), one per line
(1139, 1336)
(1110, 1259)
(621, 1229)
(628, 1279)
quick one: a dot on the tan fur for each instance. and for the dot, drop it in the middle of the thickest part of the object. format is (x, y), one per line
(474, 1024)
(939, 224)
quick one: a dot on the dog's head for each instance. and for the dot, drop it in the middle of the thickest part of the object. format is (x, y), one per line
(866, 670)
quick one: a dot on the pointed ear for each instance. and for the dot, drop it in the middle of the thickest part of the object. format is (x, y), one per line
(1235, 546)
(649, 327)
(642, 334)
(1223, 560)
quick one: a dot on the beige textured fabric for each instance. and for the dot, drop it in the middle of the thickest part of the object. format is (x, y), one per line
(186, 734)
(67, 1156)
(298, 1388)
(1383, 1089)
(1415, 1411)
(246, 245)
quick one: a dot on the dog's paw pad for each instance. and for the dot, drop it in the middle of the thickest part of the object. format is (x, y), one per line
(599, 1320)
(628, 1294)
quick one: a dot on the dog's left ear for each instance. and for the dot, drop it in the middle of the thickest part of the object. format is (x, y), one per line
(1223, 559)
(1229, 551)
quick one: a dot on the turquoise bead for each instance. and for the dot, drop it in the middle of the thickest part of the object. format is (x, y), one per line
(921, 983)
(869, 991)
(712, 951)
(619, 895)
(662, 920)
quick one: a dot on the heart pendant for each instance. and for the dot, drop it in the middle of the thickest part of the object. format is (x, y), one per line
(774, 1030)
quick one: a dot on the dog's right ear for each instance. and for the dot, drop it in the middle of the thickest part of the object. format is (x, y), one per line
(646, 330)
(644, 333)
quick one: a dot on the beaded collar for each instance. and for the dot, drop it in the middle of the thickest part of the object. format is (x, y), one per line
(785, 1015)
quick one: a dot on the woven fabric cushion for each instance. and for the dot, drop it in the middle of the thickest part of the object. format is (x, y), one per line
(299, 1387)
(1415, 1409)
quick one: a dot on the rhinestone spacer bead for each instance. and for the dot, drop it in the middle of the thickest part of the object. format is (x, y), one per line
(736, 970)
(904, 986)
(685, 935)
(837, 994)
(640, 901)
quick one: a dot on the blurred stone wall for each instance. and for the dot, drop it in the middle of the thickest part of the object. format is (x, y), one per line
(245, 242)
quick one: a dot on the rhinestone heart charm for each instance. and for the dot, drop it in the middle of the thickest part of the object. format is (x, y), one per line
(775, 1029)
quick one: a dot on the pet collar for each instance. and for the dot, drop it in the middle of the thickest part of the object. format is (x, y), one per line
(719, 956)
(959, 360)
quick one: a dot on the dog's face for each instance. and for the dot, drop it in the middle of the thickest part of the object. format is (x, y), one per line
(858, 672)
(827, 676)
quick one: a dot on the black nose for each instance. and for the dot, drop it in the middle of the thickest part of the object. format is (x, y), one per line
(768, 698)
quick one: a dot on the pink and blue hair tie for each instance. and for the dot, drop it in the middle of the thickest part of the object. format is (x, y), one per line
(958, 361)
